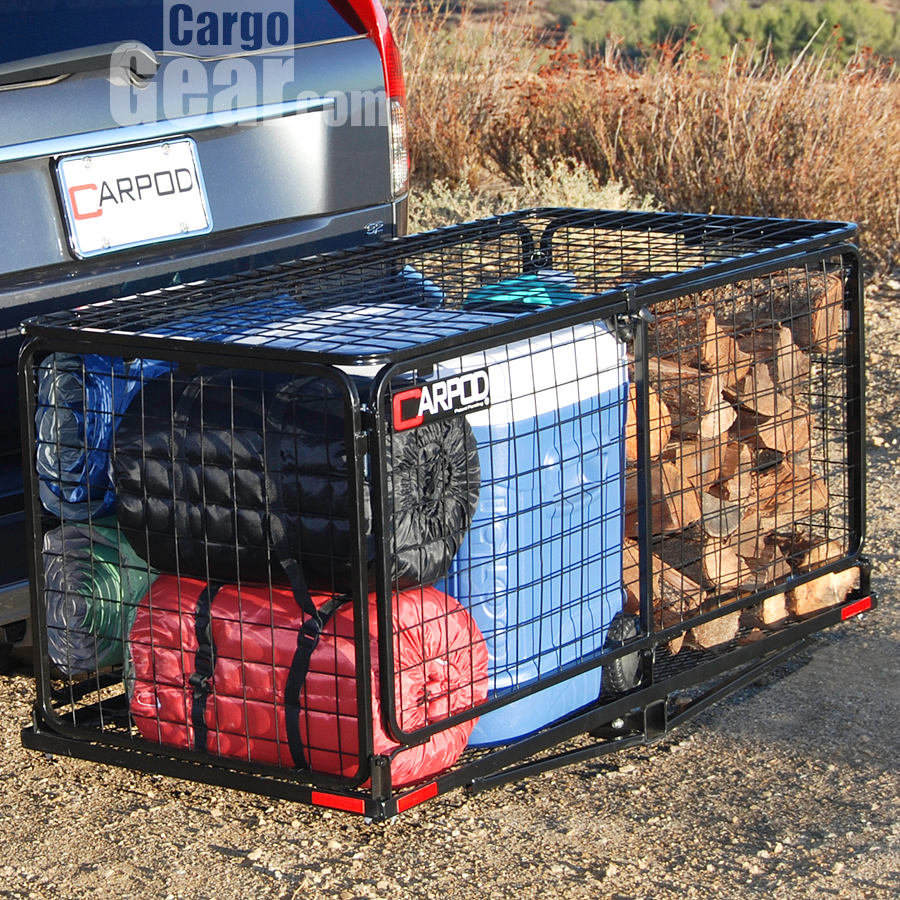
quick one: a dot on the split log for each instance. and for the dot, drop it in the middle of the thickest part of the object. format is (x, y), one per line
(788, 431)
(787, 494)
(715, 632)
(721, 518)
(712, 564)
(769, 564)
(788, 365)
(826, 590)
(820, 593)
(735, 481)
(694, 398)
(679, 600)
(768, 613)
(631, 576)
(757, 392)
(753, 533)
(724, 568)
(821, 324)
(660, 424)
(675, 597)
(675, 504)
(696, 460)
(812, 309)
(699, 341)
(773, 610)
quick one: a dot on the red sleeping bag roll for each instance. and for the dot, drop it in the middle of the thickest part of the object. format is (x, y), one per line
(218, 669)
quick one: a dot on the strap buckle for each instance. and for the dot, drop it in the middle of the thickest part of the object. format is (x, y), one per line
(200, 683)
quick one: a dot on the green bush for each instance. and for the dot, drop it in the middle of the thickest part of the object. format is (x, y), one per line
(786, 26)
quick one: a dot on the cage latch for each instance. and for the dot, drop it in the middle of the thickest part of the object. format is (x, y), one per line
(625, 325)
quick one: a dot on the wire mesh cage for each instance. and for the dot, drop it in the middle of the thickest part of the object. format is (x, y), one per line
(368, 526)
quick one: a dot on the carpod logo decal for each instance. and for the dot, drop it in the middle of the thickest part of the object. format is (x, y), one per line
(433, 400)
(88, 199)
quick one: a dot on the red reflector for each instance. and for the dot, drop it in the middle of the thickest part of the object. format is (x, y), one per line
(854, 609)
(417, 797)
(336, 801)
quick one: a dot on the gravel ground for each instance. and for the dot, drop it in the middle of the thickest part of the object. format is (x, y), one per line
(787, 789)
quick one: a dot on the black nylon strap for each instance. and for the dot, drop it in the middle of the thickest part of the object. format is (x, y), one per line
(307, 641)
(204, 664)
(288, 557)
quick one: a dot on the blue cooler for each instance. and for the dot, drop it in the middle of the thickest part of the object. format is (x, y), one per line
(541, 568)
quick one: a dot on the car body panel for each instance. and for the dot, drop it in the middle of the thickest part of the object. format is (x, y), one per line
(298, 165)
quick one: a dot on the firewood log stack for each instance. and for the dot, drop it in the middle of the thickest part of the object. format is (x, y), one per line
(736, 494)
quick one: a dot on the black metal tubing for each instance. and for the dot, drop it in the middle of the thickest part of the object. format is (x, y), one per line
(33, 523)
(225, 773)
(128, 347)
(645, 527)
(647, 734)
(556, 761)
(740, 680)
(771, 651)
(809, 235)
(856, 388)
(131, 757)
(367, 429)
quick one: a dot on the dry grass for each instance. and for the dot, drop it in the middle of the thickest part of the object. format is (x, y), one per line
(743, 137)
(463, 74)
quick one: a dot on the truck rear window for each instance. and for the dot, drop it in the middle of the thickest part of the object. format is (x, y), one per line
(193, 27)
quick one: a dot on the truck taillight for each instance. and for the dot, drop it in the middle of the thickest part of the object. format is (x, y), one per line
(399, 147)
(373, 19)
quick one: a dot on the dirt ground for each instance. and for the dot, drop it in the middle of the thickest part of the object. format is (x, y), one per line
(787, 789)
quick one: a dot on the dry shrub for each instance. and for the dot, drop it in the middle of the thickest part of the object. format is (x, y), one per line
(564, 183)
(463, 72)
(742, 137)
(746, 138)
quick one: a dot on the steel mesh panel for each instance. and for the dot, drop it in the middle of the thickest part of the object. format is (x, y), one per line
(393, 300)
(508, 605)
(538, 563)
(750, 441)
(170, 615)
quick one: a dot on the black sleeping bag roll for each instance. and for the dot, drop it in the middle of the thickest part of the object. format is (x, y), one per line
(205, 490)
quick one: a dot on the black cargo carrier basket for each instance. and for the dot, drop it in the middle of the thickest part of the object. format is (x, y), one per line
(444, 512)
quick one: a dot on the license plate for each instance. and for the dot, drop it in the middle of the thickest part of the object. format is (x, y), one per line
(127, 198)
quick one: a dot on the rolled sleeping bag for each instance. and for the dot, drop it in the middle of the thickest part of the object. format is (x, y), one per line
(217, 670)
(79, 400)
(209, 482)
(93, 582)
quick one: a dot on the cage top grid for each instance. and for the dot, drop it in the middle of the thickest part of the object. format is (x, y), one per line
(391, 301)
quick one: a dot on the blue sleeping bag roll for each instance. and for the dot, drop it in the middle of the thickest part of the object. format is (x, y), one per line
(80, 400)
